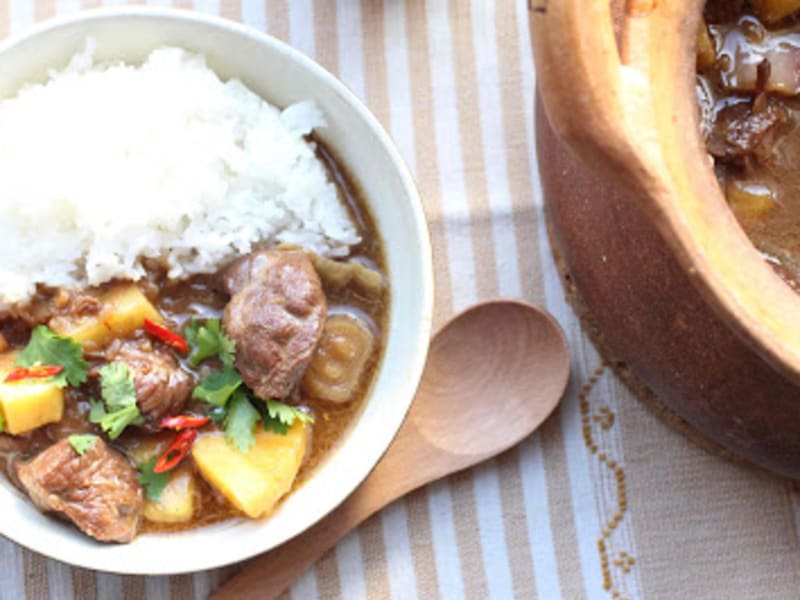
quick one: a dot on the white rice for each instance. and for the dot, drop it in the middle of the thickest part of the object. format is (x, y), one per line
(105, 164)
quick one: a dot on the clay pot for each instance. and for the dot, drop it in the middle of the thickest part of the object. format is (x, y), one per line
(669, 282)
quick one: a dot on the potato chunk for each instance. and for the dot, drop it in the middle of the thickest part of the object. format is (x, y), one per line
(749, 200)
(772, 11)
(176, 503)
(254, 481)
(88, 331)
(338, 364)
(28, 403)
(124, 309)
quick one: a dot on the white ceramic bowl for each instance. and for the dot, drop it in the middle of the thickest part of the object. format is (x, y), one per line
(281, 75)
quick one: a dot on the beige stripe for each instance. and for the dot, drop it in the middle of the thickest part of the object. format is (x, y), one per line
(36, 580)
(181, 587)
(43, 9)
(559, 500)
(377, 95)
(468, 540)
(84, 585)
(474, 166)
(133, 587)
(419, 535)
(325, 35)
(373, 553)
(427, 175)
(87, 4)
(427, 167)
(187, 4)
(328, 582)
(278, 18)
(517, 154)
(515, 524)
(231, 9)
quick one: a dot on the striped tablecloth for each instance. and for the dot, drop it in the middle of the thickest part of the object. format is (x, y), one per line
(644, 515)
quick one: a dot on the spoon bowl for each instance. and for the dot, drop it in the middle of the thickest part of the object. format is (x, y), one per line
(501, 357)
(494, 374)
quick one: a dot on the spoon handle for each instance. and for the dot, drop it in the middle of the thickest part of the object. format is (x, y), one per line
(268, 575)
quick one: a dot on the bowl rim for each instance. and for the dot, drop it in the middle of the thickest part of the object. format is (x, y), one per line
(207, 560)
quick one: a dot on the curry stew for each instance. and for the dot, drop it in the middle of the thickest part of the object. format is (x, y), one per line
(238, 385)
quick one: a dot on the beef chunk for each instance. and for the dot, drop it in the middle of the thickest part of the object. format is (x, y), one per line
(97, 491)
(162, 388)
(740, 133)
(275, 315)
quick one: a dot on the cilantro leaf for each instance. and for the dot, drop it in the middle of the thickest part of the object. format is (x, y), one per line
(239, 421)
(47, 348)
(116, 385)
(119, 394)
(209, 340)
(278, 417)
(82, 443)
(218, 386)
(2, 422)
(153, 483)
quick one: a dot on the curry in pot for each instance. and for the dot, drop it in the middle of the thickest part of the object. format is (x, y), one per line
(748, 83)
(159, 405)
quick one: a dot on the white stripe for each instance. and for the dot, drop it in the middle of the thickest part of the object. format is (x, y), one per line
(254, 14)
(108, 586)
(210, 7)
(160, 3)
(20, 16)
(453, 198)
(582, 488)
(489, 510)
(484, 36)
(59, 580)
(350, 46)
(399, 79)
(350, 563)
(399, 559)
(201, 585)
(12, 575)
(156, 588)
(305, 586)
(445, 545)
(301, 25)
(537, 518)
(448, 148)
(64, 7)
(115, 2)
(794, 499)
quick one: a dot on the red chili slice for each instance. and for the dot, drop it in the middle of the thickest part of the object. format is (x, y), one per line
(35, 372)
(179, 422)
(166, 336)
(175, 452)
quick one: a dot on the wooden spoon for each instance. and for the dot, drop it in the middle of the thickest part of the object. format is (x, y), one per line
(494, 373)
